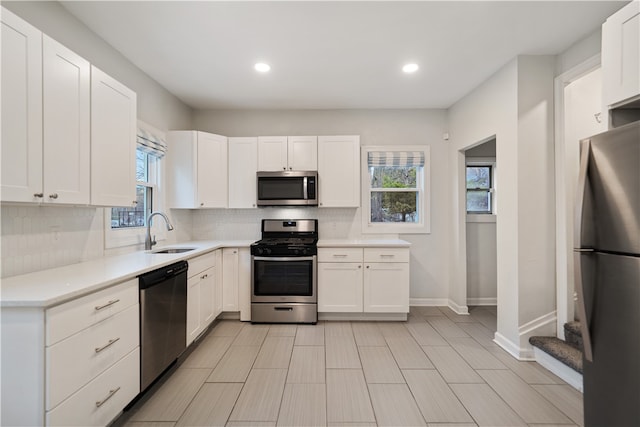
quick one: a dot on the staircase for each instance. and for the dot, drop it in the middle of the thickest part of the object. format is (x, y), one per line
(563, 358)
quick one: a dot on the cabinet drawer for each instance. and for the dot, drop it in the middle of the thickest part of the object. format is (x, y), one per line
(100, 401)
(67, 319)
(201, 263)
(75, 361)
(386, 255)
(339, 254)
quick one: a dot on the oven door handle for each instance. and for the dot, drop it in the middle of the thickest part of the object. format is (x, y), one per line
(287, 258)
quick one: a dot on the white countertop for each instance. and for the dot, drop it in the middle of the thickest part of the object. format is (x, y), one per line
(47, 288)
(358, 243)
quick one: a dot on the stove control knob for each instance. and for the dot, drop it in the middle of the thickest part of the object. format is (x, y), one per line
(267, 251)
(259, 251)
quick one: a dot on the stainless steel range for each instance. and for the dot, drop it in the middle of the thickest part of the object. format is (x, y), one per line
(284, 272)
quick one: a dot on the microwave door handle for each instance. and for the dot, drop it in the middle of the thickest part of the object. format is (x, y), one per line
(304, 188)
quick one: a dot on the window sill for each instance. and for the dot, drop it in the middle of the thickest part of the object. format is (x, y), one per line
(479, 218)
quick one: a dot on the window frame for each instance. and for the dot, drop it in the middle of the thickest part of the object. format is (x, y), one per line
(423, 189)
(479, 162)
(129, 236)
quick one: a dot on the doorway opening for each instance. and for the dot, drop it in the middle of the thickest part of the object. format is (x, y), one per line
(481, 200)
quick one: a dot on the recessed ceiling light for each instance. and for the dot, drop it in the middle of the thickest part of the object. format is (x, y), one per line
(262, 67)
(410, 68)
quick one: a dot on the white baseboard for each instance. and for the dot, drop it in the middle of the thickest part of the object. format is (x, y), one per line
(429, 302)
(542, 326)
(511, 347)
(363, 316)
(571, 377)
(482, 301)
(459, 309)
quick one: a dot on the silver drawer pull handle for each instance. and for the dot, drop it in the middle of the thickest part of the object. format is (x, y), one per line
(100, 307)
(340, 255)
(386, 256)
(204, 276)
(53, 196)
(99, 403)
(110, 343)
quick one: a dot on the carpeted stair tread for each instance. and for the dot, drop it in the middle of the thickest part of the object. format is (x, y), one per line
(560, 350)
(573, 335)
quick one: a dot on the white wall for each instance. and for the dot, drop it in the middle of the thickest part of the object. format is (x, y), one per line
(429, 252)
(488, 111)
(515, 105)
(39, 237)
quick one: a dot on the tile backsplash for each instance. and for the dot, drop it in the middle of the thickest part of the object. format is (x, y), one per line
(35, 238)
(244, 224)
(40, 237)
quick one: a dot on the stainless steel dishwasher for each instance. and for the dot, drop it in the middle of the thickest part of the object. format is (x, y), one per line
(163, 319)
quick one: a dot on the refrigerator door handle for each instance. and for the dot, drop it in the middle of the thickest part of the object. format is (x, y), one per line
(579, 250)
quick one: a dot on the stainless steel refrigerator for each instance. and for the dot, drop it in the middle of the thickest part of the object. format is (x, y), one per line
(607, 271)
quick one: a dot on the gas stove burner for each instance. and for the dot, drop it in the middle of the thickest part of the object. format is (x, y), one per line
(287, 238)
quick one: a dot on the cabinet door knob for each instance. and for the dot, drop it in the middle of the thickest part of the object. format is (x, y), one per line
(290, 168)
(284, 168)
(367, 266)
(39, 195)
(201, 204)
(359, 266)
(135, 202)
(53, 196)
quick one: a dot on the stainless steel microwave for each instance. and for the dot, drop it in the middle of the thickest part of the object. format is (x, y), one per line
(288, 188)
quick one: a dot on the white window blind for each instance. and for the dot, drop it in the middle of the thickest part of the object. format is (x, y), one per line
(396, 158)
(151, 144)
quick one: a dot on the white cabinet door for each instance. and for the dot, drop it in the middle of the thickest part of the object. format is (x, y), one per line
(272, 153)
(113, 141)
(244, 283)
(196, 170)
(193, 308)
(212, 170)
(230, 279)
(217, 301)
(21, 109)
(66, 124)
(207, 296)
(243, 165)
(386, 287)
(340, 287)
(621, 55)
(339, 171)
(302, 153)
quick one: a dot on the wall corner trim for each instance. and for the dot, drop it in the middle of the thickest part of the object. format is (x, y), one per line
(512, 348)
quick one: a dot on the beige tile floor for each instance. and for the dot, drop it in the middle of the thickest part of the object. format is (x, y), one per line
(437, 369)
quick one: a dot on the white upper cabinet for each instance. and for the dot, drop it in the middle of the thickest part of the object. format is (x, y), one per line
(197, 170)
(21, 110)
(113, 141)
(279, 153)
(243, 165)
(66, 124)
(302, 153)
(272, 153)
(621, 55)
(339, 171)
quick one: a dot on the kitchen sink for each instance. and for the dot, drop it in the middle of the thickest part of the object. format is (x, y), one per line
(172, 250)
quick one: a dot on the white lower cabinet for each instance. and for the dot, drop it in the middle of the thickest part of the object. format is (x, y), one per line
(100, 401)
(77, 363)
(340, 287)
(201, 294)
(236, 277)
(363, 280)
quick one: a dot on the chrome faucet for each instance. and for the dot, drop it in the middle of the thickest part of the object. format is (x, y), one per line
(148, 242)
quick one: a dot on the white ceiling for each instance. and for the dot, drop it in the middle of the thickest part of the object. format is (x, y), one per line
(333, 54)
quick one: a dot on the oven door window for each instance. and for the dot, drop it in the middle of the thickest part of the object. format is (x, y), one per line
(283, 278)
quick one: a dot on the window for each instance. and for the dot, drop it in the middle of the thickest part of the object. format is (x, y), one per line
(396, 196)
(479, 178)
(126, 226)
(129, 217)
